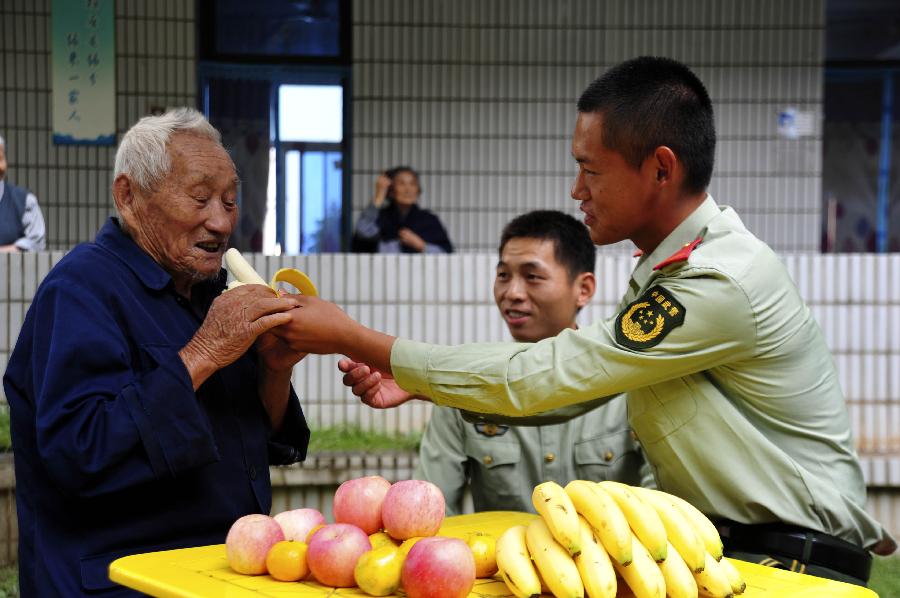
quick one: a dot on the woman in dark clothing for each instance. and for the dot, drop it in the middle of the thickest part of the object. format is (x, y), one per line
(393, 223)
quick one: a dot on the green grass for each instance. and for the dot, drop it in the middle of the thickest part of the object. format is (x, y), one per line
(352, 438)
(5, 441)
(9, 581)
(885, 579)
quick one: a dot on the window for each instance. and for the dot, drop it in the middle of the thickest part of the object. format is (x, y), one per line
(861, 161)
(274, 75)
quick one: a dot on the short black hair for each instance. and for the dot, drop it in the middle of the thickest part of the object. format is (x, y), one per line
(651, 101)
(572, 245)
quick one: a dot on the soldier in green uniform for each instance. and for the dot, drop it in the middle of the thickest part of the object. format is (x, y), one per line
(731, 388)
(544, 276)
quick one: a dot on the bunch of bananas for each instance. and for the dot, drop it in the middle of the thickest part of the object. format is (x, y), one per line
(592, 535)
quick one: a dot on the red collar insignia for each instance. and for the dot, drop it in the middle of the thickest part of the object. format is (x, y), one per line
(638, 253)
(679, 256)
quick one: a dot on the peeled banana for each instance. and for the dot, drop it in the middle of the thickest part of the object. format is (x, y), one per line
(593, 564)
(515, 565)
(553, 561)
(713, 582)
(702, 525)
(642, 518)
(605, 516)
(244, 273)
(679, 530)
(643, 575)
(556, 508)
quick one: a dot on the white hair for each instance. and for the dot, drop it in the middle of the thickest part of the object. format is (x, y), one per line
(142, 154)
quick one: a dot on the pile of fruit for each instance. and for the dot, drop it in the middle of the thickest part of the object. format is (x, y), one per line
(591, 539)
(383, 538)
(592, 535)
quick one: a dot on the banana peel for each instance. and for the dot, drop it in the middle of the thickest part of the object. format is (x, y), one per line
(244, 273)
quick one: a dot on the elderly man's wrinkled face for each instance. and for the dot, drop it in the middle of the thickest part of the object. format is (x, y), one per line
(184, 223)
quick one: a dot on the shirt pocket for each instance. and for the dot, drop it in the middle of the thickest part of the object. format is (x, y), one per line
(611, 456)
(495, 467)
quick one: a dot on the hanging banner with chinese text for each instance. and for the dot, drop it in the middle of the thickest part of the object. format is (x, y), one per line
(84, 66)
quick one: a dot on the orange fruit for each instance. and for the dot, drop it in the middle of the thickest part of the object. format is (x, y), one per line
(408, 544)
(484, 549)
(286, 561)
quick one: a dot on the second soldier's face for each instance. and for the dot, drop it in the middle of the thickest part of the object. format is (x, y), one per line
(616, 198)
(533, 291)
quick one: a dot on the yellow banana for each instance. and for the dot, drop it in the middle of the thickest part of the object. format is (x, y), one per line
(679, 530)
(244, 273)
(734, 577)
(593, 564)
(643, 520)
(514, 563)
(642, 575)
(605, 516)
(554, 505)
(553, 561)
(680, 581)
(713, 582)
(702, 525)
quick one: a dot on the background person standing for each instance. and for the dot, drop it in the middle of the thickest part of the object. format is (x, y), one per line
(21, 222)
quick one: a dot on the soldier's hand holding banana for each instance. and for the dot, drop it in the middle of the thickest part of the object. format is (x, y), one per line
(589, 531)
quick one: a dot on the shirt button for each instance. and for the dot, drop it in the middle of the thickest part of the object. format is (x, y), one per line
(488, 460)
(608, 456)
(633, 435)
(252, 472)
(549, 457)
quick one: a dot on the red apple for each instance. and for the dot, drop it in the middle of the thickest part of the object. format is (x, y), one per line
(358, 501)
(248, 542)
(333, 552)
(412, 508)
(297, 523)
(438, 567)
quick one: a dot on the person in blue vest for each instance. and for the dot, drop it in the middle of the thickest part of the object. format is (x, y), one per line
(21, 222)
(146, 405)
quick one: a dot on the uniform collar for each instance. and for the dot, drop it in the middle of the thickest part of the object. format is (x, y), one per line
(690, 229)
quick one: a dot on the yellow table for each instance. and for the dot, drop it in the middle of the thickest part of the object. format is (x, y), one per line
(203, 572)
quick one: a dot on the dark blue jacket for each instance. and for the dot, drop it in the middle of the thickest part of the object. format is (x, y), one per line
(115, 453)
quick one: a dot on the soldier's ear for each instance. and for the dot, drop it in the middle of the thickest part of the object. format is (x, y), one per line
(666, 165)
(586, 284)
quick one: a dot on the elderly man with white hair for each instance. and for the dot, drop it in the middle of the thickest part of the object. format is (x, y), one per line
(147, 405)
(21, 222)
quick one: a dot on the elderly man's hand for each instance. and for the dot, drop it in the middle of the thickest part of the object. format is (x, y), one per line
(275, 354)
(233, 323)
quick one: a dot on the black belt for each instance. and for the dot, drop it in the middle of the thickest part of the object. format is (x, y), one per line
(806, 546)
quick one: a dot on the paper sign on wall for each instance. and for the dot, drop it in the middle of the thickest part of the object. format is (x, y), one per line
(84, 66)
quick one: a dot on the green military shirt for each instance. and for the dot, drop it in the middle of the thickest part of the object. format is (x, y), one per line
(731, 388)
(502, 464)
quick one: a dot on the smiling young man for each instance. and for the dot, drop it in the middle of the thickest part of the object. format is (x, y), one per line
(545, 275)
(146, 406)
(731, 389)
